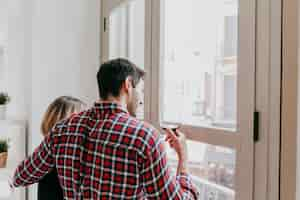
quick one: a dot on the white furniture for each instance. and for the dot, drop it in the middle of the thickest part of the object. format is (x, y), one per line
(16, 132)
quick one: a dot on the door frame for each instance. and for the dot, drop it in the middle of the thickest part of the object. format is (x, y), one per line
(268, 99)
(276, 152)
(267, 170)
(289, 116)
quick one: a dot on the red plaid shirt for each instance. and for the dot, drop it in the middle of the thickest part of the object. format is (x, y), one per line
(104, 153)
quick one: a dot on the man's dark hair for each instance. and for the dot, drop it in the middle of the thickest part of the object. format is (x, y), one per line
(112, 75)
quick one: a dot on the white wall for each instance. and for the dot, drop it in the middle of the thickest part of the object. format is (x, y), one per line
(53, 50)
(14, 65)
(3, 39)
(65, 54)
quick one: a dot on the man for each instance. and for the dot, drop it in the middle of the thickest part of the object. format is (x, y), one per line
(105, 153)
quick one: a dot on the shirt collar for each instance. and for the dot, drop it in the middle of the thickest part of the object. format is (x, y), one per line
(106, 107)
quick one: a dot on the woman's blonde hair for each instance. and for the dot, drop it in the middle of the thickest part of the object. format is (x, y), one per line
(60, 109)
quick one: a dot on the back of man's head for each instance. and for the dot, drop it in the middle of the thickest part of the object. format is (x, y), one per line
(112, 75)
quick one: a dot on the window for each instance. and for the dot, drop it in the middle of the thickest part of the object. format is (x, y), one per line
(230, 36)
(199, 65)
(196, 54)
(212, 167)
(127, 35)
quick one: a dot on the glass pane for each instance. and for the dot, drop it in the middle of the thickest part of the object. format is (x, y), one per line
(200, 62)
(212, 169)
(127, 37)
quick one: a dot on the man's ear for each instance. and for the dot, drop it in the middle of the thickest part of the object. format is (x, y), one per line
(128, 84)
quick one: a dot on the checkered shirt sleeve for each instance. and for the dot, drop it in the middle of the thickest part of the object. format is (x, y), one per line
(36, 166)
(158, 180)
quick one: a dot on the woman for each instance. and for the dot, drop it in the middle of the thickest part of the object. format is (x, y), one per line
(61, 108)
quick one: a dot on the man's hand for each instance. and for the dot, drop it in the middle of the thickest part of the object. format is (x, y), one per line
(177, 141)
